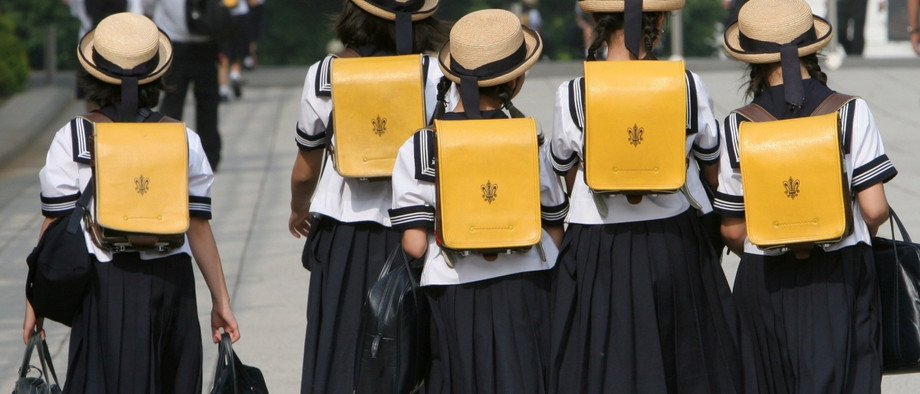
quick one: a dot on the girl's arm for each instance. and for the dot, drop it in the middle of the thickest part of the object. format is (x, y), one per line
(304, 178)
(204, 249)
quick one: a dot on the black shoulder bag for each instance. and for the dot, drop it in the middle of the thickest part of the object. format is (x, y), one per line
(60, 266)
(232, 376)
(898, 269)
(393, 353)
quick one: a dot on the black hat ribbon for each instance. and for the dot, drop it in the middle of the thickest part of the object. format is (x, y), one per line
(469, 79)
(793, 91)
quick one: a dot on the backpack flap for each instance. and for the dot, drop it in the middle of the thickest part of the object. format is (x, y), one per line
(794, 181)
(375, 112)
(635, 126)
(142, 177)
(488, 183)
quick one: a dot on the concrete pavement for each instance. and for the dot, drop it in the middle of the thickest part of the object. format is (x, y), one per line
(261, 260)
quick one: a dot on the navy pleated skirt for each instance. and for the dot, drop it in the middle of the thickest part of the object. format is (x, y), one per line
(810, 326)
(138, 330)
(490, 336)
(344, 260)
(642, 307)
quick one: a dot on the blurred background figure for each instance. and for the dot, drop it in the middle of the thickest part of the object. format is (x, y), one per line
(195, 63)
(233, 50)
(256, 32)
(851, 25)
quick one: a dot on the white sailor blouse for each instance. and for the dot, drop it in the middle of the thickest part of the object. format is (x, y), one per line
(415, 205)
(67, 171)
(567, 151)
(345, 199)
(864, 158)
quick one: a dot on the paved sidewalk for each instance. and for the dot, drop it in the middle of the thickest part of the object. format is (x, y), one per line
(251, 196)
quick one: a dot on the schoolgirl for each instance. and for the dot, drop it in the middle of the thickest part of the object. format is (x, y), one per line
(809, 318)
(640, 302)
(345, 219)
(137, 330)
(490, 314)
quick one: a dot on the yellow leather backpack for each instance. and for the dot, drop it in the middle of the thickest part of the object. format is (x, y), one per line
(488, 185)
(796, 191)
(375, 111)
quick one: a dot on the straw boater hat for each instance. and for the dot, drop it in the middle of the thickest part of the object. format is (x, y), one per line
(125, 45)
(487, 48)
(620, 5)
(764, 26)
(387, 9)
(770, 31)
(490, 47)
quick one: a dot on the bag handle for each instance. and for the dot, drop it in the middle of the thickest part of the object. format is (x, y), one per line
(225, 359)
(44, 357)
(391, 262)
(892, 219)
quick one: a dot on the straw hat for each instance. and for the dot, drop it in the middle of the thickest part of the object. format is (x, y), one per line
(763, 26)
(125, 45)
(492, 38)
(387, 9)
(619, 5)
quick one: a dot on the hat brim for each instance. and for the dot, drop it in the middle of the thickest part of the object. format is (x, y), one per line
(732, 43)
(426, 11)
(618, 6)
(85, 56)
(533, 45)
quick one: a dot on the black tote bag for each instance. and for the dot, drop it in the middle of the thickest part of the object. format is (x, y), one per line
(393, 354)
(232, 376)
(898, 270)
(26, 384)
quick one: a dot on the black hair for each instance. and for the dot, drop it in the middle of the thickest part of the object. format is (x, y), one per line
(355, 26)
(106, 94)
(606, 23)
(503, 92)
(760, 73)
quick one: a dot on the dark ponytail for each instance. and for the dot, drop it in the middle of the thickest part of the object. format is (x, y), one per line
(441, 107)
(504, 94)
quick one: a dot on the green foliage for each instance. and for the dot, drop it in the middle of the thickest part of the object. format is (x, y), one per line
(33, 17)
(14, 69)
(298, 31)
(702, 27)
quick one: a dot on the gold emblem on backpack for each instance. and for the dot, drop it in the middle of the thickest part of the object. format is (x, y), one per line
(635, 134)
(141, 184)
(380, 125)
(792, 187)
(489, 191)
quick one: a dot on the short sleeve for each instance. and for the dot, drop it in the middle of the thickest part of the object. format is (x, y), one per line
(867, 154)
(729, 197)
(413, 187)
(200, 178)
(315, 107)
(554, 205)
(60, 178)
(706, 140)
(567, 135)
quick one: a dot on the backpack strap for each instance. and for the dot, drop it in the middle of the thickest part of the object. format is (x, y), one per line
(755, 113)
(832, 103)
